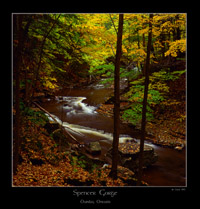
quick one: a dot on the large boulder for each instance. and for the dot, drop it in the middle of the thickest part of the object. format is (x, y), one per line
(129, 155)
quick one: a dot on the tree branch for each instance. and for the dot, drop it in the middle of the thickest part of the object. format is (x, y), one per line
(64, 130)
(113, 23)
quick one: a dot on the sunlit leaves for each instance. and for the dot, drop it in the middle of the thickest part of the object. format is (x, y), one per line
(158, 89)
(49, 82)
(99, 31)
(138, 55)
(91, 39)
(176, 47)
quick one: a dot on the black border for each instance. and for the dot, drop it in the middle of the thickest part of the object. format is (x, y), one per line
(125, 194)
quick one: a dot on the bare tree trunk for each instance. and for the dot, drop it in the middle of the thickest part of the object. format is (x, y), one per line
(16, 68)
(145, 100)
(22, 35)
(113, 172)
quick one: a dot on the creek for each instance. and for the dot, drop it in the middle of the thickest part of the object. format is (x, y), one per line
(76, 108)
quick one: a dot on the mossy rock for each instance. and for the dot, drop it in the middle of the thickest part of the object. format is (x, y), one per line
(94, 148)
(60, 138)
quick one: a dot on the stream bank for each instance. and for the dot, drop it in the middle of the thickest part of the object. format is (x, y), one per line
(79, 111)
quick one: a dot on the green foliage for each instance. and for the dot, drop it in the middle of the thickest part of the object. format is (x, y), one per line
(52, 44)
(130, 74)
(36, 117)
(165, 75)
(154, 97)
(65, 39)
(156, 94)
(78, 161)
(105, 68)
(107, 71)
(21, 105)
(134, 114)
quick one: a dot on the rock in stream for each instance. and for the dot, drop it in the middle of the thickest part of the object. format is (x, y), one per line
(93, 148)
(129, 155)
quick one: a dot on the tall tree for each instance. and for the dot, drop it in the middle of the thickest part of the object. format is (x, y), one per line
(113, 172)
(144, 109)
(17, 58)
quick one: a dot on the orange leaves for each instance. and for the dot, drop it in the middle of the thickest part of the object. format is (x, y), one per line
(64, 174)
(44, 175)
(129, 148)
(44, 165)
(106, 109)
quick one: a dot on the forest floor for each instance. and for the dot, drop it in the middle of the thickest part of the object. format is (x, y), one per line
(44, 162)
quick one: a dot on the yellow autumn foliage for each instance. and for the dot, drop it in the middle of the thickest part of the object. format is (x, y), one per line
(139, 54)
(175, 47)
(49, 82)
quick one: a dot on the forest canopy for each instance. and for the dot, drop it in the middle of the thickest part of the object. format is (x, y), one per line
(61, 47)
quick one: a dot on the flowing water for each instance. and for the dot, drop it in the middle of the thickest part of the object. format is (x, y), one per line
(76, 110)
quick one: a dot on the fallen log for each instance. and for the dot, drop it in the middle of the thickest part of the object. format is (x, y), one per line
(60, 126)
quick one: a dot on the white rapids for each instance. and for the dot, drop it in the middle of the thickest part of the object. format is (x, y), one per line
(75, 105)
(90, 132)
